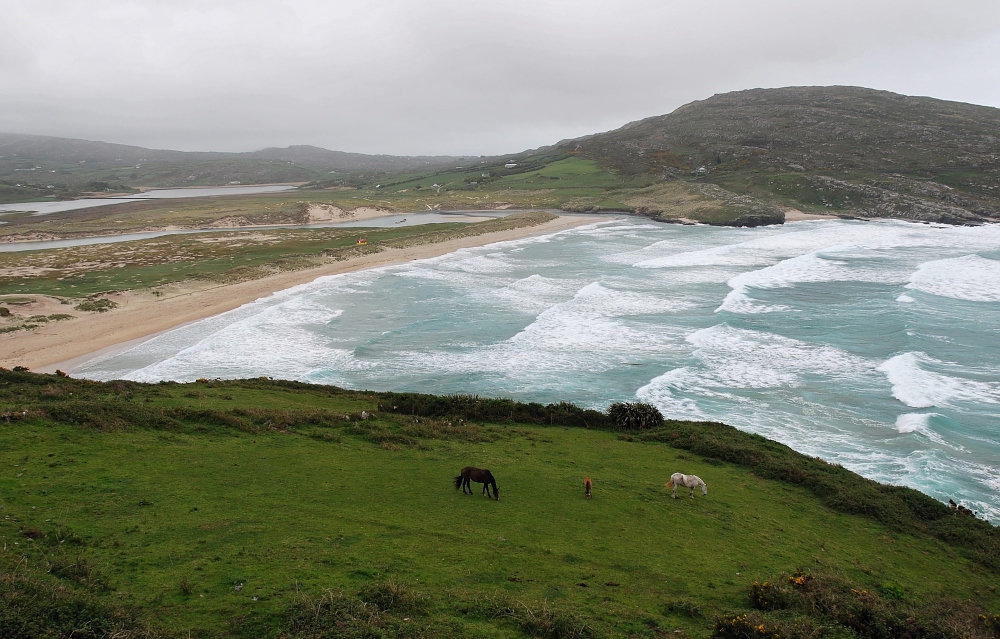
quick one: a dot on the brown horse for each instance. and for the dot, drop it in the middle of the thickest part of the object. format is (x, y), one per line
(480, 476)
(588, 486)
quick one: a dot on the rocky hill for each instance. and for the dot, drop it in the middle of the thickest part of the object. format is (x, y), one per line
(846, 150)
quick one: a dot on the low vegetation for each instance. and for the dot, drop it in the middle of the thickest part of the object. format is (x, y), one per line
(265, 508)
(215, 258)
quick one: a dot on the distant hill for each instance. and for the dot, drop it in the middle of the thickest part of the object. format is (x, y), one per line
(71, 166)
(848, 150)
(745, 158)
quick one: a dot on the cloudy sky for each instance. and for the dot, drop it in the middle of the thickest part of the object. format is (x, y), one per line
(454, 76)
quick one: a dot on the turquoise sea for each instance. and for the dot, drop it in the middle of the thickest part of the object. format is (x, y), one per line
(875, 345)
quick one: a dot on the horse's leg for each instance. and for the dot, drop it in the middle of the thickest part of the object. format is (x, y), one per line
(692, 492)
(465, 484)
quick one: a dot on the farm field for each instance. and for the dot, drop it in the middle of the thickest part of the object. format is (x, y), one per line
(260, 508)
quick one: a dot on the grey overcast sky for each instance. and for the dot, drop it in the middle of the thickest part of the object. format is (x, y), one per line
(454, 76)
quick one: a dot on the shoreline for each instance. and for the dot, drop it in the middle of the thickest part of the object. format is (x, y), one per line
(140, 316)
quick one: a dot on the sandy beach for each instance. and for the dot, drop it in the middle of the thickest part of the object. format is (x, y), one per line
(141, 315)
(795, 215)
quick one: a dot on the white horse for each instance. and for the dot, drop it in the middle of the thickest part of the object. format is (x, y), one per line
(688, 481)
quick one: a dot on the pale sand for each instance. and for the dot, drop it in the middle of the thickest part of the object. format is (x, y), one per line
(795, 215)
(140, 316)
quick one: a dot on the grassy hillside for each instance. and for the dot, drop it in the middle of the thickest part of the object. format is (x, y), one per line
(845, 150)
(745, 158)
(263, 508)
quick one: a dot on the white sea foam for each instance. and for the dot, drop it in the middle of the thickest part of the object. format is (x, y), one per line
(744, 358)
(913, 422)
(915, 386)
(278, 341)
(971, 277)
(920, 423)
(532, 294)
(585, 331)
(768, 247)
(906, 299)
(806, 268)
(733, 359)
(809, 268)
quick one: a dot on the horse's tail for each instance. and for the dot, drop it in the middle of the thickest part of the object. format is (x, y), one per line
(458, 482)
(669, 485)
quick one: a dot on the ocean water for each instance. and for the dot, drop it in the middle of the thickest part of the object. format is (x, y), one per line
(875, 345)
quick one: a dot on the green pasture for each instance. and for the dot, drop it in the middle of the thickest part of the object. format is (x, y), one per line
(216, 508)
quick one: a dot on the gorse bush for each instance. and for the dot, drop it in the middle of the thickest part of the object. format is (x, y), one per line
(634, 416)
(749, 626)
(831, 601)
(764, 596)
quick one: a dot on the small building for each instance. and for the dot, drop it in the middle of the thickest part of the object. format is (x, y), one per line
(362, 241)
(510, 165)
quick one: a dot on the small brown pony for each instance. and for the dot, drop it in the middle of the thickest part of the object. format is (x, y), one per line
(588, 486)
(480, 476)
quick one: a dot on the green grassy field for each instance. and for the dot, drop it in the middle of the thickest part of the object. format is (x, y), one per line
(229, 508)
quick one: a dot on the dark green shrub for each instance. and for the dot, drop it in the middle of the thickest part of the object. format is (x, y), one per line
(890, 590)
(495, 410)
(992, 622)
(764, 596)
(746, 626)
(101, 305)
(634, 416)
